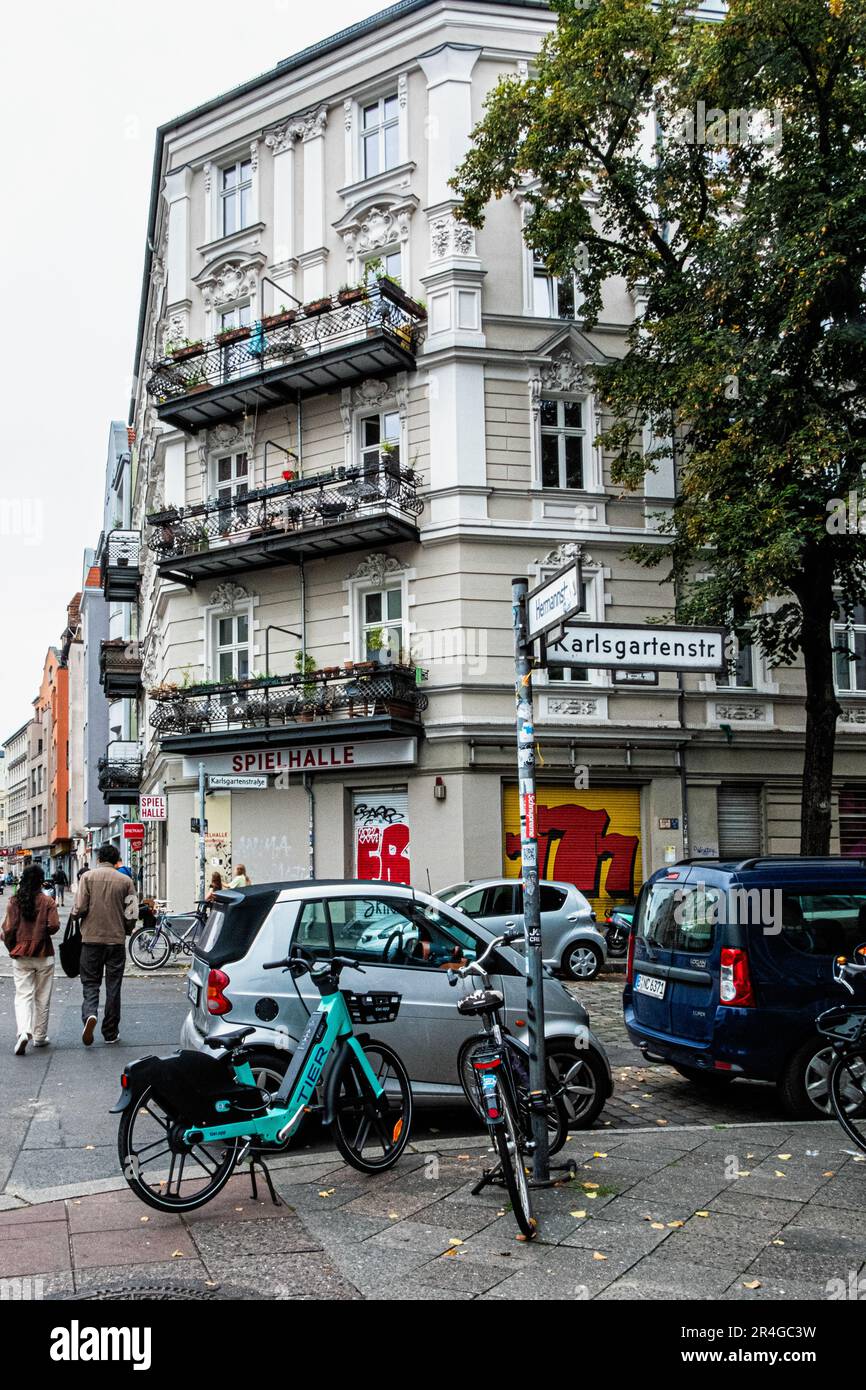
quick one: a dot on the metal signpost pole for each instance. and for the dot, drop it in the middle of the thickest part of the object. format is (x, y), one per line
(201, 829)
(529, 859)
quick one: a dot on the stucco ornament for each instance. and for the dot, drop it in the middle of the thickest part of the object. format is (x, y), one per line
(378, 567)
(228, 596)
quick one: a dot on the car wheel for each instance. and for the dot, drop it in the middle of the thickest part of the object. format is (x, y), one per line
(710, 1080)
(804, 1086)
(582, 960)
(580, 1077)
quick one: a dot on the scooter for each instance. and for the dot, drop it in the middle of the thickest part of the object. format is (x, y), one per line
(617, 926)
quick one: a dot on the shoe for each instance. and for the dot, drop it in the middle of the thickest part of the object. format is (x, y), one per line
(21, 1044)
(41, 1042)
(115, 1039)
(88, 1030)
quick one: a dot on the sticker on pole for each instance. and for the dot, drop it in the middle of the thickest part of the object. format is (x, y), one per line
(549, 604)
(529, 815)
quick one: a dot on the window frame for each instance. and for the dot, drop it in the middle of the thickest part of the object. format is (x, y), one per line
(563, 432)
(845, 633)
(227, 195)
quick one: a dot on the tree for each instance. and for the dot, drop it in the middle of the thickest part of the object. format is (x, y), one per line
(740, 222)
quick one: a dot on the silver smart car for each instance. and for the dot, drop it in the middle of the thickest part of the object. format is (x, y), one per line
(570, 939)
(404, 940)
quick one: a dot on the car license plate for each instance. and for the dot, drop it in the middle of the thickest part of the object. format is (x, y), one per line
(194, 992)
(651, 985)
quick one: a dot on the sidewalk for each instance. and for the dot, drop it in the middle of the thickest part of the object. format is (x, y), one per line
(752, 1213)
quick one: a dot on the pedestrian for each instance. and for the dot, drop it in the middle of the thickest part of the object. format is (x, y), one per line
(216, 885)
(31, 920)
(241, 878)
(82, 871)
(107, 907)
(61, 883)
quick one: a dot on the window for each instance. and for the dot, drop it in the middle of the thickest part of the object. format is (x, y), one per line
(572, 673)
(471, 904)
(823, 924)
(236, 196)
(849, 639)
(388, 263)
(380, 136)
(393, 931)
(380, 440)
(552, 298)
(499, 901)
(312, 934)
(236, 357)
(680, 918)
(550, 899)
(231, 485)
(740, 671)
(232, 647)
(563, 435)
(382, 633)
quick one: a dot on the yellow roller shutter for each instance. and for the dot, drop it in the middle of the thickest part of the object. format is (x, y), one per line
(589, 838)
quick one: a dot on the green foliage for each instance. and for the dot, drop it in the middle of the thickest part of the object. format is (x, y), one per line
(748, 257)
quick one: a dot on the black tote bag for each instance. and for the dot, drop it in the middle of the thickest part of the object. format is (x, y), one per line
(70, 948)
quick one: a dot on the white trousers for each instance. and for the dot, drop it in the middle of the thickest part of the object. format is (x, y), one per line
(34, 978)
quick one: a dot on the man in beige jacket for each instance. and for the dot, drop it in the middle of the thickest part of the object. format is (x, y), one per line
(107, 904)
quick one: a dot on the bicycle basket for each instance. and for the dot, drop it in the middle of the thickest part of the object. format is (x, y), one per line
(847, 1024)
(373, 1007)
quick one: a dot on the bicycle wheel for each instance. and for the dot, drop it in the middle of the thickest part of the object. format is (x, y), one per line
(372, 1141)
(557, 1115)
(160, 1167)
(508, 1144)
(149, 947)
(848, 1095)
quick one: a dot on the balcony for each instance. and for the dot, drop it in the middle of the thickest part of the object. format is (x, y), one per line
(368, 702)
(326, 345)
(118, 774)
(120, 669)
(331, 513)
(120, 576)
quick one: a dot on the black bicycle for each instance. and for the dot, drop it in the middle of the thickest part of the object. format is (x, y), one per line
(494, 1074)
(845, 1026)
(163, 936)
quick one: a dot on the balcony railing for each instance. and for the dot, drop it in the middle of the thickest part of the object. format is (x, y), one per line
(322, 697)
(120, 669)
(120, 576)
(341, 510)
(331, 343)
(118, 774)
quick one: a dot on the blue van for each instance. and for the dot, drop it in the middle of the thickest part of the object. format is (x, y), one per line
(729, 965)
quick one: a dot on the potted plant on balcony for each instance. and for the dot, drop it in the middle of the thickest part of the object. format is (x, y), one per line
(351, 294)
(232, 335)
(306, 667)
(318, 306)
(282, 318)
(179, 352)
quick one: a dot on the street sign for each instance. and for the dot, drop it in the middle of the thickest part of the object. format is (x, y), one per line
(639, 647)
(136, 844)
(236, 784)
(195, 825)
(153, 808)
(549, 604)
(133, 831)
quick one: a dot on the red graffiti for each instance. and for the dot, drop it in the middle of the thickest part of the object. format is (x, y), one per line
(584, 845)
(383, 853)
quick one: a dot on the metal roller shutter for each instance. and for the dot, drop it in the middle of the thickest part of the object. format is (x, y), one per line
(381, 835)
(589, 838)
(740, 822)
(852, 821)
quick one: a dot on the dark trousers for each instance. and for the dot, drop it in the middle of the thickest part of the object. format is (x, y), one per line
(96, 960)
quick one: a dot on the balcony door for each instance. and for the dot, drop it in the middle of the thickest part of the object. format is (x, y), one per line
(236, 357)
(230, 484)
(232, 648)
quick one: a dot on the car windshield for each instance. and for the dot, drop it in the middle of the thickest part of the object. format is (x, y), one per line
(680, 917)
(449, 894)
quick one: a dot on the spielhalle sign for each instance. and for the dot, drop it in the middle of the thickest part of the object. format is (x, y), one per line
(640, 647)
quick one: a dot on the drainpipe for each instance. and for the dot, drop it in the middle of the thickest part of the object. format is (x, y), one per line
(311, 799)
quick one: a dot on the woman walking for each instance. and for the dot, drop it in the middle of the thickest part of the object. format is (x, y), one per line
(31, 921)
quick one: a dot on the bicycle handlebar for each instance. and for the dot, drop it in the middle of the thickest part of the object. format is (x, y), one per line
(842, 966)
(476, 967)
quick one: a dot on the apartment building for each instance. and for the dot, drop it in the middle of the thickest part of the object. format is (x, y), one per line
(15, 761)
(93, 629)
(356, 419)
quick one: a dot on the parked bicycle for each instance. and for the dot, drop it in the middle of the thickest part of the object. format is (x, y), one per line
(163, 936)
(845, 1026)
(187, 1121)
(494, 1074)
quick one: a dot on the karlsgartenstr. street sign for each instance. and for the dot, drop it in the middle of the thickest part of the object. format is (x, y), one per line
(549, 604)
(236, 784)
(642, 647)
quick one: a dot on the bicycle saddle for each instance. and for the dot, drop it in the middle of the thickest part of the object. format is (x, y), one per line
(229, 1039)
(481, 1001)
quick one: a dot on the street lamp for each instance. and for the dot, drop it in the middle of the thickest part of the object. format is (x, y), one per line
(273, 627)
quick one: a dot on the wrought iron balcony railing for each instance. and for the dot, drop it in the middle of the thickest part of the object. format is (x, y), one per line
(329, 343)
(120, 576)
(343, 509)
(120, 668)
(277, 701)
(118, 773)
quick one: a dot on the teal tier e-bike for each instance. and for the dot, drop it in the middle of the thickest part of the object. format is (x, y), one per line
(187, 1121)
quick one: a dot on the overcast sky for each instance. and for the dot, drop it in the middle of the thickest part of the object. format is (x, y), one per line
(83, 86)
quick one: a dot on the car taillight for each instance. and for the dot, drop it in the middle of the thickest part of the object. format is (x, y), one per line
(735, 986)
(629, 962)
(217, 1003)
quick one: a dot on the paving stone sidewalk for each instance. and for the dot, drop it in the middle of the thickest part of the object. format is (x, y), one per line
(752, 1213)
